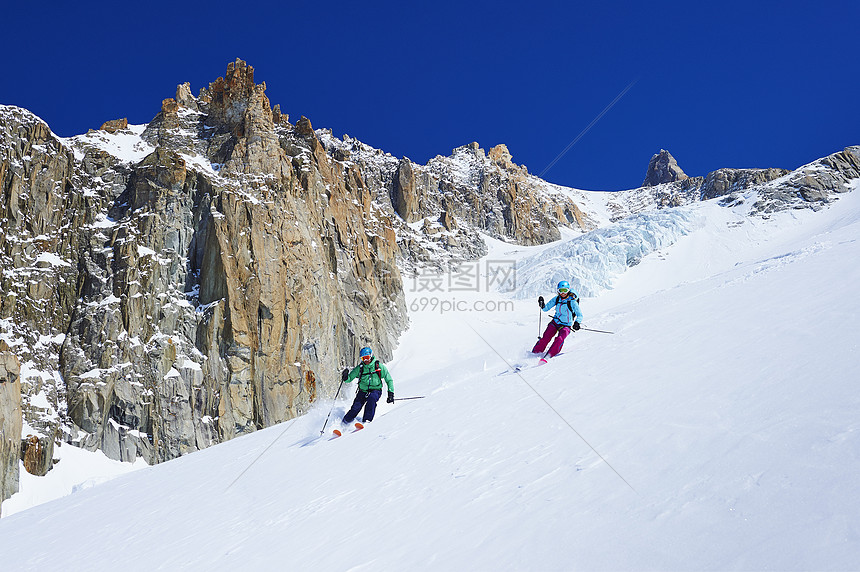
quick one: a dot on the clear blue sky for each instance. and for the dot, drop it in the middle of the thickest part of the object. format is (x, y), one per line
(718, 84)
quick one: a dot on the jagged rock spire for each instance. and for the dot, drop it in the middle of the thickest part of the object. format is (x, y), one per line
(663, 168)
(230, 96)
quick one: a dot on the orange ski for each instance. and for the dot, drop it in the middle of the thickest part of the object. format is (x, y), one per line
(338, 433)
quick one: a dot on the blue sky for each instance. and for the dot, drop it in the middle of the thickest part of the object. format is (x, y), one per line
(723, 84)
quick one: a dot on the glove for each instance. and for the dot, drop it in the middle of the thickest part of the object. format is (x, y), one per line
(541, 303)
(344, 375)
(575, 326)
(390, 397)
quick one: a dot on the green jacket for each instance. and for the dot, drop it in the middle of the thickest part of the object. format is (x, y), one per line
(368, 378)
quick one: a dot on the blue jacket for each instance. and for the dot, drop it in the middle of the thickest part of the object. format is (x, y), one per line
(565, 315)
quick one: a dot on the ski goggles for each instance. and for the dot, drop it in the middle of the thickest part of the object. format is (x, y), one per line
(563, 290)
(366, 359)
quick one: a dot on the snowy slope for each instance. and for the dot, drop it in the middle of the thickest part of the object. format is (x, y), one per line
(716, 429)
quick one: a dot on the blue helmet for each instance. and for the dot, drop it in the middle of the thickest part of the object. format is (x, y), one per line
(365, 352)
(563, 284)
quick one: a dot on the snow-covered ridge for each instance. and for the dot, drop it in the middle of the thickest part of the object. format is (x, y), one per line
(594, 261)
(126, 145)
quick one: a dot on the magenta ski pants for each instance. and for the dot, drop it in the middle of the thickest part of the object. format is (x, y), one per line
(551, 330)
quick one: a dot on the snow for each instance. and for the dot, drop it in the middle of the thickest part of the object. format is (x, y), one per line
(103, 221)
(202, 164)
(127, 145)
(109, 301)
(716, 429)
(92, 374)
(76, 470)
(29, 369)
(44, 340)
(51, 259)
(40, 400)
(189, 364)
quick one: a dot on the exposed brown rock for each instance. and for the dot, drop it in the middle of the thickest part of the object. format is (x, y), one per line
(501, 156)
(10, 421)
(446, 219)
(406, 198)
(114, 125)
(304, 127)
(724, 181)
(280, 118)
(229, 96)
(37, 453)
(184, 97)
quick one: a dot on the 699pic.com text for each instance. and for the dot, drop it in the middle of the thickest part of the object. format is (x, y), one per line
(445, 306)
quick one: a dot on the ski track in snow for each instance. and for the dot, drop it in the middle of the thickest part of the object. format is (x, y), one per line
(726, 397)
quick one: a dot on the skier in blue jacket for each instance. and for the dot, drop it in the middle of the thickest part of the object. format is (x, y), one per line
(567, 316)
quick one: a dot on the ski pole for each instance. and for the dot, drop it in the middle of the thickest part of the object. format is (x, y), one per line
(540, 318)
(405, 398)
(332, 408)
(598, 331)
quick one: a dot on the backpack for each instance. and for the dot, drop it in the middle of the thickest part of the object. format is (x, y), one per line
(377, 371)
(571, 298)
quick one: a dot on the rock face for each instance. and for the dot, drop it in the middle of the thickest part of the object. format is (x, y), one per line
(37, 453)
(811, 186)
(209, 283)
(724, 181)
(115, 125)
(404, 196)
(663, 168)
(10, 422)
(40, 212)
(213, 301)
(483, 191)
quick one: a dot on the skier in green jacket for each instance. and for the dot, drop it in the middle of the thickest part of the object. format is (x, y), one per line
(370, 374)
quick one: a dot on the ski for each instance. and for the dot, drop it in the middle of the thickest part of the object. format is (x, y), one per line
(544, 359)
(338, 433)
(517, 368)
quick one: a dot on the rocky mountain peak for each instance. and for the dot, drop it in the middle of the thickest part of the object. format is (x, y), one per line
(663, 168)
(304, 127)
(501, 155)
(229, 97)
(184, 97)
(237, 83)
